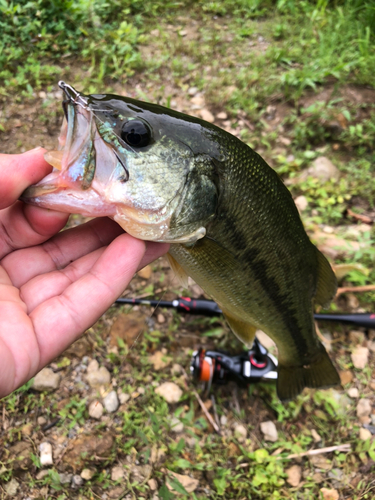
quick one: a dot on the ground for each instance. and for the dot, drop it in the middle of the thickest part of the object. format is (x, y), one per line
(115, 429)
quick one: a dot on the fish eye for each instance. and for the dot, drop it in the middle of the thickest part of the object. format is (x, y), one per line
(136, 133)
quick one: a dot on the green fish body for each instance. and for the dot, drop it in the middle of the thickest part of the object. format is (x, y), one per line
(231, 222)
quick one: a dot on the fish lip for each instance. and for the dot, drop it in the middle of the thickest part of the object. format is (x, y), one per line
(72, 95)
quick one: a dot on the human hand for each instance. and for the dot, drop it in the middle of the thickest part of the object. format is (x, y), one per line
(53, 286)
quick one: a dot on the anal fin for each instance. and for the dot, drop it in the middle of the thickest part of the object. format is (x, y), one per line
(179, 271)
(243, 330)
(327, 283)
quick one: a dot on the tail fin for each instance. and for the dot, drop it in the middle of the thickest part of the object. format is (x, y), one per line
(319, 374)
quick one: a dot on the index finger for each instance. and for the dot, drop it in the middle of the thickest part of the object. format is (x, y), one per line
(17, 172)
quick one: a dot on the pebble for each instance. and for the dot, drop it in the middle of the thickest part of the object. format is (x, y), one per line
(176, 425)
(159, 360)
(355, 336)
(12, 487)
(161, 318)
(360, 357)
(117, 473)
(96, 410)
(207, 115)
(315, 436)
(269, 430)
(77, 481)
(223, 420)
(193, 90)
(346, 376)
(240, 432)
(123, 397)
(153, 484)
(98, 377)
(45, 453)
(294, 474)
(187, 482)
(41, 421)
(65, 478)
(177, 369)
(87, 474)
(364, 434)
(329, 494)
(46, 380)
(169, 391)
(93, 366)
(111, 402)
(323, 169)
(364, 407)
(222, 115)
(353, 392)
(301, 203)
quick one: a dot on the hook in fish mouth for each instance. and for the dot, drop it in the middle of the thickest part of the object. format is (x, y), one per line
(72, 95)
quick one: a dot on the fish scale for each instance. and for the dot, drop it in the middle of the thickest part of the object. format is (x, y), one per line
(232, 223)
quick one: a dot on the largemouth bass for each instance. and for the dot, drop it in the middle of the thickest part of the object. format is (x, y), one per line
(232, 224)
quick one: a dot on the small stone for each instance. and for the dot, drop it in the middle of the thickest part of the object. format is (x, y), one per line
(45, 453)
(222, 115)
(145, 273)
(176, 425)
(360, 357)
(41, 421)
(301, 203)
(96, 410)
(223, 420)
(285, 141)
(123, 397)
(170, 392)
(269, 430)
(364, 434)
(77, 481)
(161, 318)
(329, 494)
(111, 402)
(315, 436)
(93, 366)
(187, 482)
(356, 336)
(353, 392)
(65, 478)
(153, 484)
(207, 115)
(27, 430)
(178, 370)
(193, 90)
(346, 376)
(87, 474)
(117, 473)
(12, 487)
(98, 377)
(240, 432)
(294, 474)
(46, 380)
(323, 169)
(364, 407)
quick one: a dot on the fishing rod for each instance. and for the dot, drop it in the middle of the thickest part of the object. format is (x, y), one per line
(210, 308)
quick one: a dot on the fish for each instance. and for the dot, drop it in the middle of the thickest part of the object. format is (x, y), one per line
(231, 222)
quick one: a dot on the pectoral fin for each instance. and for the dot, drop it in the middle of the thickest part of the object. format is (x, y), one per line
(180, 273)
(244, 331)
(327, 283)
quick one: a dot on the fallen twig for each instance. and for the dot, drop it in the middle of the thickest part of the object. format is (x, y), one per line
(206, 412)
(318, 451)
(363, 218)
(358, 289)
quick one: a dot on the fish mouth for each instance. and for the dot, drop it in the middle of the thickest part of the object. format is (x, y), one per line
(71, 186)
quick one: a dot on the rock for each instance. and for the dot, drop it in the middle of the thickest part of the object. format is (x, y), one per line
(65, 478)
(187, 482)
(178, 369)
(117, 493)
(355, 336)
(315, 436)
(329, 494)
(223, 420)
(207, 115)
(360, 357)
(193, 91)
(41, 421)
(364, 434)
(145, 273)
(336, 474)
(364, 407)
(240, 432)
(301, 203)
(46, 380)
(128, 327)
(27, 429)
(321, 168)
(153, 484)
(98, 377)
(96, 410)
(321, 462)
(346, 376)
(159, 360)
(93, 366)
(353, 392)
(12, 487)
(222, 115)
(45, 453)
(139, 473)
(77, 481)
(269, 430)
(176, 425)
(169, 391)
(161, 318)
(88, 447)
(294, 474)
(88, 474)
(20, 453)
(123, 397)
(117, 473)
(111, 402)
